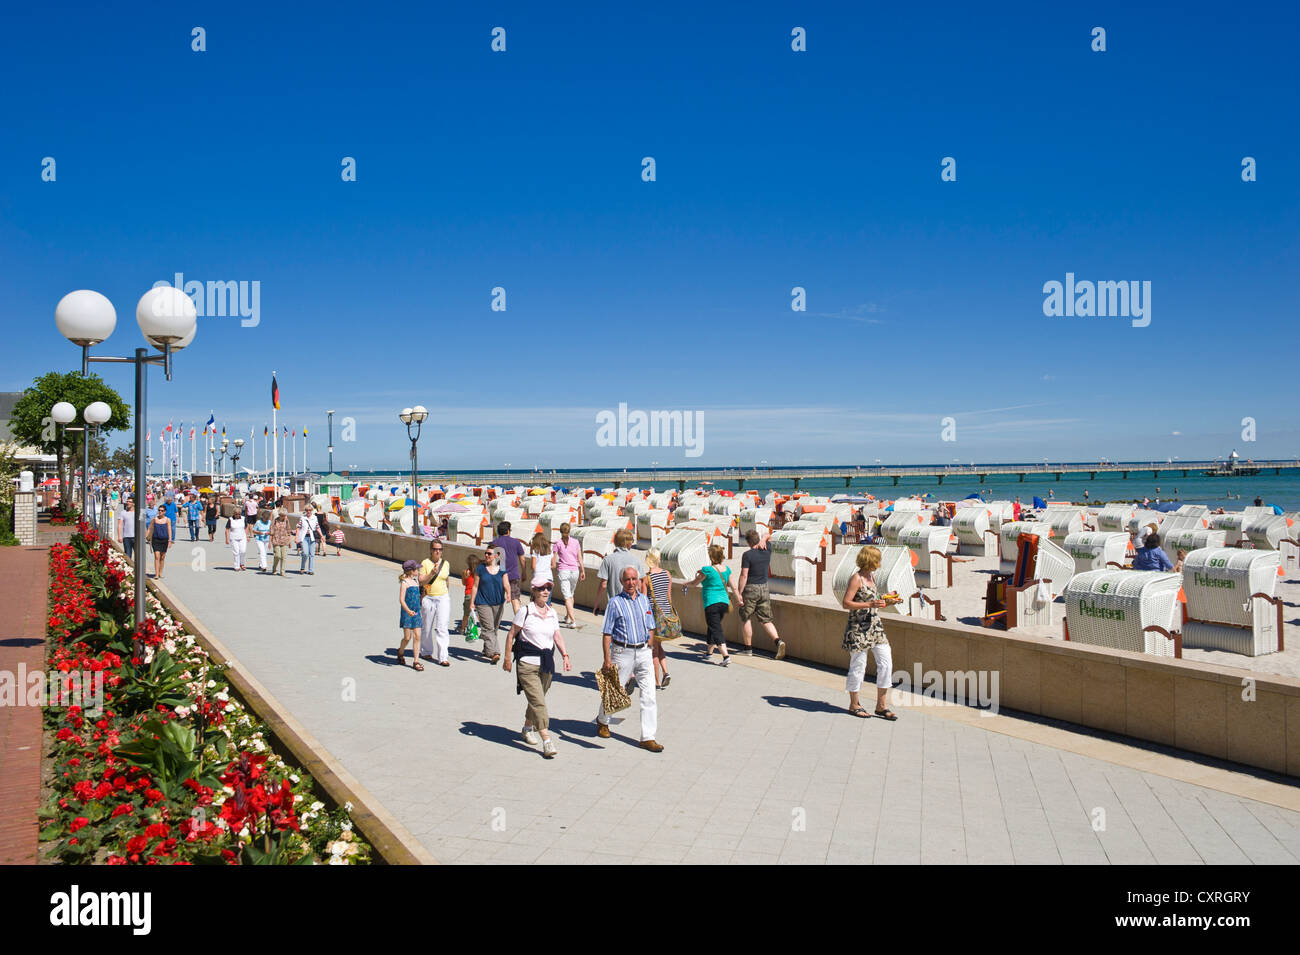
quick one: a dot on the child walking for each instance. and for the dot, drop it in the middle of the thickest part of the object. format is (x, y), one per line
(470, 581)
(408, 598)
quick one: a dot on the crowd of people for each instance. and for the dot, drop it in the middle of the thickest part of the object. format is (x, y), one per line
(636, 603)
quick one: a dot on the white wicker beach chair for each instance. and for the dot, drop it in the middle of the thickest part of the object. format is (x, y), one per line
(895, 522)
(1267, 533)
(1131, 610)
(596, 543)
(1064, 521)
(798, 560)
(1230, 601)
(1008, 540)
(1097, 550)
(932, 546)
(1189, 539)
(975, 533)
(756, 519)
(1115, 517)
(651, 527)
(683, 551)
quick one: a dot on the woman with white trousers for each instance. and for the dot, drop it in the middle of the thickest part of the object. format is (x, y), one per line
(308, 530)
(435, 639)
(865, 631)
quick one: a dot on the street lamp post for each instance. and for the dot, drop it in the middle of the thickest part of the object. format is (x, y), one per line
(330, 415)
(168, 320)
(234, 460)
(221, 457)
(63, 414)
(96, 413)
(414, 417)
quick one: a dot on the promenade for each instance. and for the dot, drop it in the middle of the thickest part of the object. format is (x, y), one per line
(761, 762)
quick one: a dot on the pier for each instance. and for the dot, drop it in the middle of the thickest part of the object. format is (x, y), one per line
(872, 475)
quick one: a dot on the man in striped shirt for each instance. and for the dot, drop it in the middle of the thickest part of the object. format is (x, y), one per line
(628, 628)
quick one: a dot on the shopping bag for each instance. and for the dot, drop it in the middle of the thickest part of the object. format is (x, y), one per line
(471, 631)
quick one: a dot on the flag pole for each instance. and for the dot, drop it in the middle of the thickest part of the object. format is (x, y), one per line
(275, 455)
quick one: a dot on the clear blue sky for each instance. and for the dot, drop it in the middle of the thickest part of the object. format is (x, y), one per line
(775, 169)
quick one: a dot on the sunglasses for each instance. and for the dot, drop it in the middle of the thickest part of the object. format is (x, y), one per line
(543, 587)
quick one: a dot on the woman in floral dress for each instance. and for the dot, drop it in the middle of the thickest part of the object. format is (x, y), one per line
(864, 632)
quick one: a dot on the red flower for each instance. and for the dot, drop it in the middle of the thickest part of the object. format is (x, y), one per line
(116, 860)
(159, 830)
(78, 823)
(137, 844)
(122, 810)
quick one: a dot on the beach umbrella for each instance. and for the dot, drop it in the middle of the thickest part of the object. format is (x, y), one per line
(1039, 502)
(973, 497)
(397, 503)
(1278, 510)
(726, 494)
(451, 508)
(1166, 507)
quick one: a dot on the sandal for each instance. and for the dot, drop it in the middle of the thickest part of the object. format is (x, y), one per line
(860, 712)
(401, 660)
(887, 714)
(444, 663)
(417, 665)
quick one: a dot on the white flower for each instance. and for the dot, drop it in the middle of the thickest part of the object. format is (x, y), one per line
(182, 711)
(347, 807)
(317, 806)
(295, 778)
(338, 860)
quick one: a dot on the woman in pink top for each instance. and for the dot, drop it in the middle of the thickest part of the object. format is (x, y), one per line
(568, 554)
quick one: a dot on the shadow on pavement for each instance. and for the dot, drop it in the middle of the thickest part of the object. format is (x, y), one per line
(497, 734)
(808, 706)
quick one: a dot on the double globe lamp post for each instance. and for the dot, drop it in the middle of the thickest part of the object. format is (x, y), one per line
(96, 413)
(169, 322)
(414, 418)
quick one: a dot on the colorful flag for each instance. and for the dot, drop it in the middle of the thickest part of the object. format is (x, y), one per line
(266, 431)
(223, 430)
(304, 432)
(169, 426)
(211, 425)
(147, 435)
(275, 393)
(191, 433)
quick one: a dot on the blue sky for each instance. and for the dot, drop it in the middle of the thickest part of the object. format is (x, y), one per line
(775, 169)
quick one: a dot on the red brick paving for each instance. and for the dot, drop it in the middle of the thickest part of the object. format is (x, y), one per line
(24, 593)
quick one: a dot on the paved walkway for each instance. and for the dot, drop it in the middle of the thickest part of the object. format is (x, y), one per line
(761, 762)
(24, 589)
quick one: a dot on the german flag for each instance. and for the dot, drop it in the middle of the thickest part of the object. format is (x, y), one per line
(266, 430)
(275, 393)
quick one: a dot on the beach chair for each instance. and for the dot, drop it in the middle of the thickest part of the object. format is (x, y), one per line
(467, 527)
(895, 575)
(651, 526)
(714, 532)
(1097, 550)
(1289, 547)
(1009, 541)
(798, 560)
(895, 522)
(550, 520)
(1189, 539)
(1132, 610)
(932, 547)
(683, 551)
(755, 519)
(1267, 533)
(1230, 601)
(689, 511)
(975, 534)
(1232, 526)
(596, 543)
(1115, 517)
(1064, 521)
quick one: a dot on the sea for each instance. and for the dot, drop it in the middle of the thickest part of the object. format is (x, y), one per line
(1282, 490)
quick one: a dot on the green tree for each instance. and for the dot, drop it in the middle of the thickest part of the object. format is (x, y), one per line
(31, 422)
(122, 459)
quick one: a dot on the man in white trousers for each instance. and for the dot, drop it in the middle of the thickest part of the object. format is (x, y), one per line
(628, 629)
(435, 607)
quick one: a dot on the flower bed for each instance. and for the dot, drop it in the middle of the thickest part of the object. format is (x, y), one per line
(169, 769)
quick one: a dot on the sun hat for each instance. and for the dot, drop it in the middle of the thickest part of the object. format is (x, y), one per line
(539, 580)
(409, 565)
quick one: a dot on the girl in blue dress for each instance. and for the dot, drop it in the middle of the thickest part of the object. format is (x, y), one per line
(408, 596)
